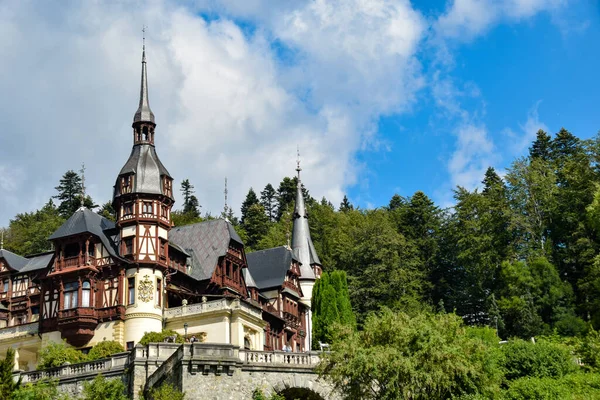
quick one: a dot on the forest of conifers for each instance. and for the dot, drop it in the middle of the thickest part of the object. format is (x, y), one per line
(520, 254)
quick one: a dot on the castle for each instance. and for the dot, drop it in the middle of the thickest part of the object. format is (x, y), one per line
(117, 280)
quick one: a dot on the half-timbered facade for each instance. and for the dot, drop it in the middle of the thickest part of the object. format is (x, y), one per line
(106, 280)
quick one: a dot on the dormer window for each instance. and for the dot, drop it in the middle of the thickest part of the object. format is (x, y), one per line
(126, 184)
(167, 186)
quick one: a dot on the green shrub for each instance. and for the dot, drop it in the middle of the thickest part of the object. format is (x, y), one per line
(589, 350)
(104, 389)
(57, 354)
(537, 388)
(104, 349)
(259, 395)
(41, 390)
(159, 337)
(543, 359)
(165, 392)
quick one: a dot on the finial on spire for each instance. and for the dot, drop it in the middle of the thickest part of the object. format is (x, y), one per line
(82, 170)
(2, 239)
(144, 113)
(298, 162)
(226, 208)
(144, 43)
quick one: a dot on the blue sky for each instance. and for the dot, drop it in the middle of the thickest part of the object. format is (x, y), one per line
(381, 96)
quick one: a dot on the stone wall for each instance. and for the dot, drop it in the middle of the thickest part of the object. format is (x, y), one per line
(202, 370)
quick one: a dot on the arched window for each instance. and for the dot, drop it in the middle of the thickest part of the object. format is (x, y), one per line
(247, 343)
(71, 295)
(85, 294)
(145, 130)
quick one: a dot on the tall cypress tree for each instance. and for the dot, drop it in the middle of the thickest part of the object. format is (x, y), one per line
(7, 384)
(340, 284)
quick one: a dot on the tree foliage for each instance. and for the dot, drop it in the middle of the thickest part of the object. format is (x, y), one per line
(7, 384)
(428, 356)
(159, 337)
(56, 354)
(165, 392)
(104, 349)
(102, 388)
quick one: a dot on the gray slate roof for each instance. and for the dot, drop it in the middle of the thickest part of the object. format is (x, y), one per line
(147, 169)
(14, 261)
(87, 221)
(269, 267)
(248, 278)
(205, 242)
(22, 264)
(302, 244)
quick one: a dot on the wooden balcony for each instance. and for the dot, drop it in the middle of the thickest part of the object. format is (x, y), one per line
(77, 325)
(74, 263)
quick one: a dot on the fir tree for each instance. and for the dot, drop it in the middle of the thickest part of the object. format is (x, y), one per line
(541, 147)
(250, 200)
(269, 202)
(70, 190)
(191, 205)
(345, 205)
(256, 224)
(395, 202)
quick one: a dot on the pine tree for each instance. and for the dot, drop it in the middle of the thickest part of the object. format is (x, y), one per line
(107, 211)
(286, 195)
(541, 147)
(256, 224)
(7, 384)
(395, 202)
(70, 190)
(345, 205)
(191, 205)
(250, 200)
(269, 201)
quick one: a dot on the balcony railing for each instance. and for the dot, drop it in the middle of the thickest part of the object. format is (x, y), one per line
(77, 312)
(209, 306)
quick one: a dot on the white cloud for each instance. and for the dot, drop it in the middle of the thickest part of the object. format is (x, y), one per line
(522, 139)
(225, 103)
(465, 19)
(474, 153)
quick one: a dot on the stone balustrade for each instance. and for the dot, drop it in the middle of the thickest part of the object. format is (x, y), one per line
(214, 305)
(280, 358)
(19, 330)
(116, 363)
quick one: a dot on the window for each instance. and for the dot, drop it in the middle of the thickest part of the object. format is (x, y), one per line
(91, 249)
(167, 186)
(163, 248)
(145, 132)
(147, 208)
(130, 290)
(126, 183)
(164, 211)
(71, 250)
(129, 346)
(127, 209)
(128, 242)
(71, 295)
(158, 292)
(85, 294)
(5, 286)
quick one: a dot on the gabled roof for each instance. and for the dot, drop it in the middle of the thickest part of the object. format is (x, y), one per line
(248, 278)
(22, 264)
(39, 261)
(87, 221)
(269, 267)
(13, 260)
(205, 242)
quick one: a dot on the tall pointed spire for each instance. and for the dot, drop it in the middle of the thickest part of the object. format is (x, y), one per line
(144, 113)
(302, 244)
